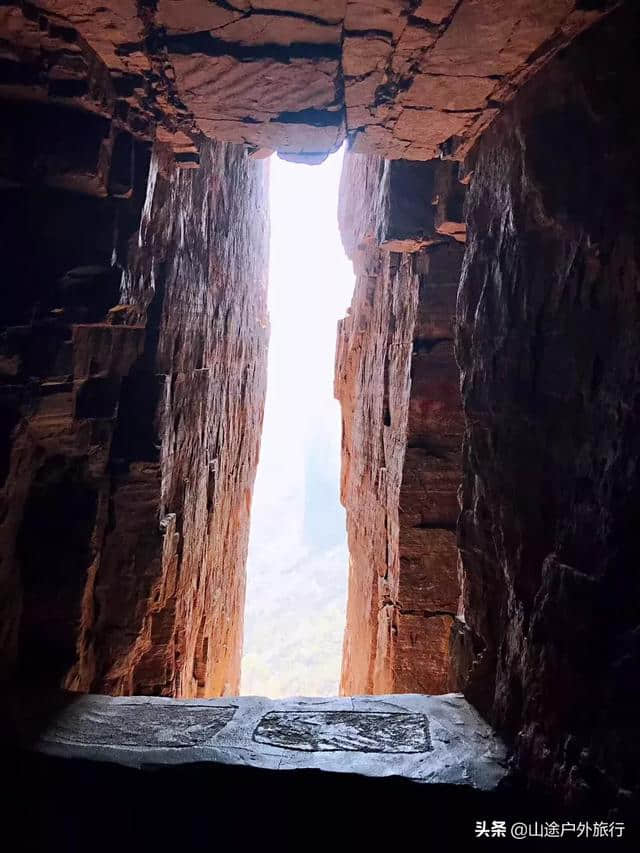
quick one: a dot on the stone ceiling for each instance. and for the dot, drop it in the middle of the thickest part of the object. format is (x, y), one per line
(403, 78)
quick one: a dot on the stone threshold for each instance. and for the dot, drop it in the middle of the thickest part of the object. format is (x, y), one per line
(440, 740)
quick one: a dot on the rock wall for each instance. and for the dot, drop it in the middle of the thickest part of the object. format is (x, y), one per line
(415, 79)
(184, 465)
(397, 382)
(132, 378)
(549, 347)
(404, 78)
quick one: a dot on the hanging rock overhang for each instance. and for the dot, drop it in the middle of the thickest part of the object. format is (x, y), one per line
(412, 79)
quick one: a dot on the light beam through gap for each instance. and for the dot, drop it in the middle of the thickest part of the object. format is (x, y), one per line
(298, 562)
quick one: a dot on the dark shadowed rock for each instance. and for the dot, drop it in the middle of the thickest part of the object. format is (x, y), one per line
(549, 348)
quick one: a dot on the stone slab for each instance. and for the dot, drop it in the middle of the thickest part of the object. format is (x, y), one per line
(435, 739)
(345, 731)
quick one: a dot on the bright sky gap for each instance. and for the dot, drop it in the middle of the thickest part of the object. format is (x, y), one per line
(298, 561)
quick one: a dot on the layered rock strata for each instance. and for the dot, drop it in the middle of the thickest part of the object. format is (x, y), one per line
(549, 347)
(397, 382)
(414, 79)
(183, 463)
(132, 371)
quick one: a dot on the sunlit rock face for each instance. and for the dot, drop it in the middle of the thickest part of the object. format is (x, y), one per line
(549, 347)
(405, 78)
(203, 293)
(408, 79)
(397, 382)
(132, 378)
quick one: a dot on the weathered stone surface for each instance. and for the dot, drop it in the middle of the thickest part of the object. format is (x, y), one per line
(272, 87)
(549, 349)
(397, 383)
(329, 11)
(140, 420)
(292, 104)
(122, 724)
(176, 16)
(405, 79)
(175, 626)
(434, 11)
(437, 71)
(372, 384)
(89, 58)
(106, 27)
(345, 731)
(429, 739)
(448, 200)
(72, 188)
(253, 29)
(401, 206)
(449, 93)
(128, 433)
(492, 38)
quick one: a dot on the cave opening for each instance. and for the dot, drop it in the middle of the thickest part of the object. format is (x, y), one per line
(298, 558)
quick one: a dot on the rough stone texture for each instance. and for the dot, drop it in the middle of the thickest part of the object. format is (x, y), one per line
(423, 79)
(263, 73)
(399, 205)
(397, 382)
(439, 740)
(136, 411)
(71, 200)
(406, 79)
(132, 371)
(175, 624)
(91, 57)
(372, 367)
(549, 348)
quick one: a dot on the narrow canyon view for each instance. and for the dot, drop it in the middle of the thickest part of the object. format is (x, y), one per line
(319, 421)
(297, 565)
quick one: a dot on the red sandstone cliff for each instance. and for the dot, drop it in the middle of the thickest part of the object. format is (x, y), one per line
(132, 378)
(415, 79)
(199, 275)
(397, 382)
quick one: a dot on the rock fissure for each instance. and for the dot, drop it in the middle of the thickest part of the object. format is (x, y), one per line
(194, 55)
(426, 614)
(486, 371)
(206, 44)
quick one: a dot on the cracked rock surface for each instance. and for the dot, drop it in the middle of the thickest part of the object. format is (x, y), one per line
(414, 79)
(549, 349)
(397, 383)
(132, 379)
(429, 739)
